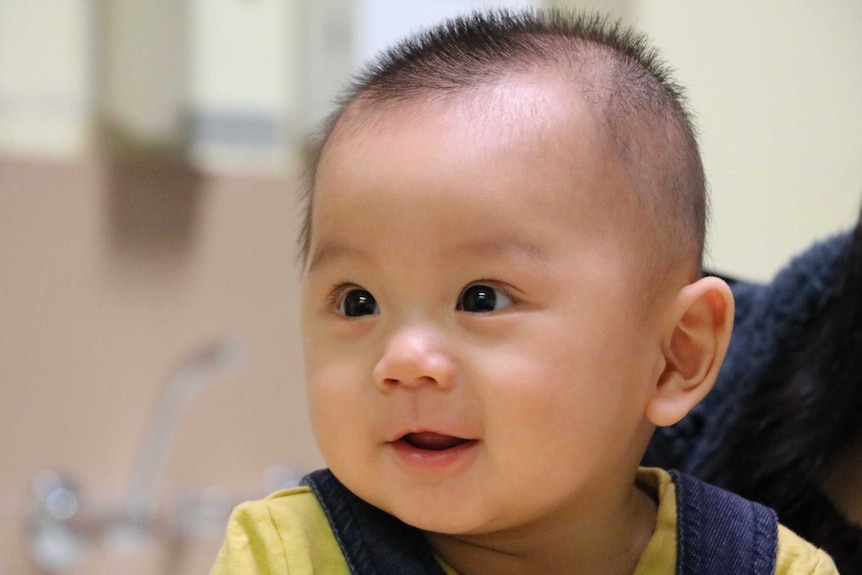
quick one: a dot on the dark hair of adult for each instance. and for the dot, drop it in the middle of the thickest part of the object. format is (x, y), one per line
(640, 108)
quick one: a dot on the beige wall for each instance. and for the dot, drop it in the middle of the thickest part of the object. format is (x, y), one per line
(94, 320)
(775, 87)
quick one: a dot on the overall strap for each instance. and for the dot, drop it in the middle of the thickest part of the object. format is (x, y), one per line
(372, 541)
(720, 532)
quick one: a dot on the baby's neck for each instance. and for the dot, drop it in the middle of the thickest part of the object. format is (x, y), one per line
(611, 548)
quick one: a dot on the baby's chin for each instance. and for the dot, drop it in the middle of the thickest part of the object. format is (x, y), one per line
(443, 520)
(441, 507)
(449, 525)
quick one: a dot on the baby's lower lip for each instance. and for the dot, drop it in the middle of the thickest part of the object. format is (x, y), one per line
(432, 451)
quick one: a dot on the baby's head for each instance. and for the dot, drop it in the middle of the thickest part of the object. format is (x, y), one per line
(500, 286)
(643, 128)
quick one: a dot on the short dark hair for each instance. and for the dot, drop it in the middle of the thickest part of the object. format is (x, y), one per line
(640, 108)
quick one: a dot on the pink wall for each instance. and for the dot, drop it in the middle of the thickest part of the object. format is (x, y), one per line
(106, 284)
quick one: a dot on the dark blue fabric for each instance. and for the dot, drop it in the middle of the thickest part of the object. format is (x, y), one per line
(719, 532)
(373, 542)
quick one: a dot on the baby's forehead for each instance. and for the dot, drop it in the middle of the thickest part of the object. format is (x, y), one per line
(537, 123)
(461, 147)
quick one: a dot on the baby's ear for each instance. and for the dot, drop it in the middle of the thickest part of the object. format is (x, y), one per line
(694, 346)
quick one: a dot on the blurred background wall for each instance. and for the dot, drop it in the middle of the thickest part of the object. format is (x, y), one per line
(149, 159)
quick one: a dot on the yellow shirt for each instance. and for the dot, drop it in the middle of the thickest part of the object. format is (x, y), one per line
(288, 534)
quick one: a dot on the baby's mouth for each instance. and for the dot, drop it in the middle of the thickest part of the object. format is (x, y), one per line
(430, 441)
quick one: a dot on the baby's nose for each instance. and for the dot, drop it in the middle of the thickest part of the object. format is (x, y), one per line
(414, 357)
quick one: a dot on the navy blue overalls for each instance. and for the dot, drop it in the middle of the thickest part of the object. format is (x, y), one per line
(719, 533)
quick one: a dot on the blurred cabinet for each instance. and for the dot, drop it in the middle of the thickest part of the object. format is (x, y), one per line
(46, 77)
(244, 85)
(212, 83)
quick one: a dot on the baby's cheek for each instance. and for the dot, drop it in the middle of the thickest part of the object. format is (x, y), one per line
(335, 396)
(324, 393)
(329, 422)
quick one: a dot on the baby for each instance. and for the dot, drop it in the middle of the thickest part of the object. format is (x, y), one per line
(502, 297)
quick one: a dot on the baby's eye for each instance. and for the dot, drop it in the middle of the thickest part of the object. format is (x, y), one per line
(358, 302)
(482, 298)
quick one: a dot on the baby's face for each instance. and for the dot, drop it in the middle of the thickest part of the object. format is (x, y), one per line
(477, 353)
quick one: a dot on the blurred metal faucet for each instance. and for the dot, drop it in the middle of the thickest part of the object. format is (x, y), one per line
(61, 522)
(199, 370)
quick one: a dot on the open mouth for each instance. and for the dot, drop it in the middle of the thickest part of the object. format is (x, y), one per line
(430, 441)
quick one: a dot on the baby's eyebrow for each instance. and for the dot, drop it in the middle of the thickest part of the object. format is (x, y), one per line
(501, 248)
(325, 253)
